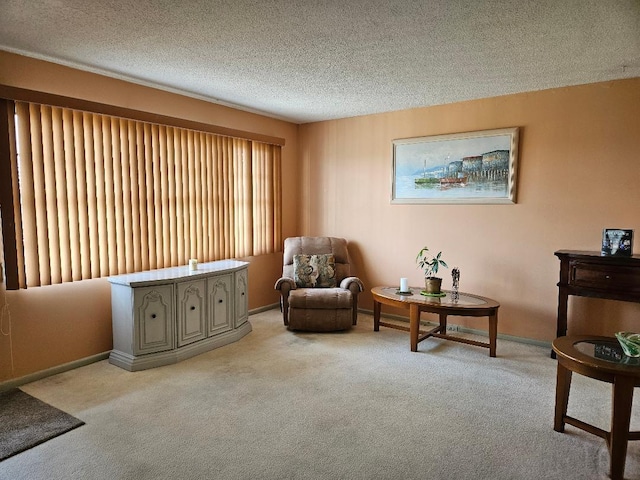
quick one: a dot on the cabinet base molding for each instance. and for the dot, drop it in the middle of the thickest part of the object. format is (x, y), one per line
(152, 360)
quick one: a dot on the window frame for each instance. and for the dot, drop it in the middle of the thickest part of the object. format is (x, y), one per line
(9, 199)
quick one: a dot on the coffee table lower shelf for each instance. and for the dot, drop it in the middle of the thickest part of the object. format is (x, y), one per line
(436, 332)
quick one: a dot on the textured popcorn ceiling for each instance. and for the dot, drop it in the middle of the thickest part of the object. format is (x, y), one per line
(309, 60)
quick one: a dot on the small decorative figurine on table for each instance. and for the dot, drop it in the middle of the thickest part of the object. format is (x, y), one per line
(455, 275)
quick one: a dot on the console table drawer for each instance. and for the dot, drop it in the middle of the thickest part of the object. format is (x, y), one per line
(604, 277)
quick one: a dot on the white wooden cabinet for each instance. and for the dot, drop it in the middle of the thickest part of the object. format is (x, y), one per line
(164, 316)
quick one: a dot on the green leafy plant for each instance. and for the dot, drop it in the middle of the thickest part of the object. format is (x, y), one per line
(430, 264)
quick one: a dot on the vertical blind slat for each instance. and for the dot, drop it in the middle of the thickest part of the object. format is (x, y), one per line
(156, 197)
(50, 160)
(74, 263)
(27, 190)
(216, 170)
(118, 265)
(100, 254)
(21, 280)
(206, 196)
(110, 263)
(63, 272)
(164, 196)
(229, 211)
(199, 137)
(277, 189)
(171, 158)
(184, 197)
(142, 198)
(147, 200)
(128, 185)
(92, 197)
(257, 220)
(38, 146)
(193, 219)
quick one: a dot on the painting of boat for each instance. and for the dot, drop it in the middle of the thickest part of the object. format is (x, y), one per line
(427, 181)
(449, 181)
(446, 176)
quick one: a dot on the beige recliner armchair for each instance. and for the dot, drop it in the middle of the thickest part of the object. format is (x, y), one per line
(318, 293)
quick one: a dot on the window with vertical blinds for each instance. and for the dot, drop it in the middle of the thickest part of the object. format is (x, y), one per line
(97, 195)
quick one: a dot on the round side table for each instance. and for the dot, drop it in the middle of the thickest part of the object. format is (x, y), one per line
(601, 358)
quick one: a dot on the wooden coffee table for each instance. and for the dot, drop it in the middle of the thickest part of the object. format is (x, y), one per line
(465, 305)
(601, 358)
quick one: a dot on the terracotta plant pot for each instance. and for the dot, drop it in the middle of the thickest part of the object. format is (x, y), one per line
(432, 284)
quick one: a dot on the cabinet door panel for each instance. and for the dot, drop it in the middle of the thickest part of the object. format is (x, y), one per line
(241, 293)
(191, 312)
(220, 297)
(153, 320)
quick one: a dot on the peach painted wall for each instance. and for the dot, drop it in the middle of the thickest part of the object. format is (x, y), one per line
(49, 326)
(579, 172)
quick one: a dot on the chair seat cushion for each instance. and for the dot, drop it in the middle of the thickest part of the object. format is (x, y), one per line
(320, 298)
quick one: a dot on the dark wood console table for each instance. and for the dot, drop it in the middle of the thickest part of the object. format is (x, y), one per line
(589, 274)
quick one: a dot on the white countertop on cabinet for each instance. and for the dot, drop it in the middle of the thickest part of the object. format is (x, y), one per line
(154, 277)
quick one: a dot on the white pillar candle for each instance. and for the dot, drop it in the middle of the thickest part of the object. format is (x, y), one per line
(193, 264)
(404, 285)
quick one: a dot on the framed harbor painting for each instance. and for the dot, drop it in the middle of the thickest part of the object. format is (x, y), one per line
(475, 167)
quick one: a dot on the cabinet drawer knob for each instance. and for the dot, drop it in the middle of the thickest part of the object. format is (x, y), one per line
(607, 277)
(242, 294)
(153, 315)
(220, 301)
(193, 308)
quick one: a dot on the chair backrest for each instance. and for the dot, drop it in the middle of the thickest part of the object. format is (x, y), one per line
(314, 246)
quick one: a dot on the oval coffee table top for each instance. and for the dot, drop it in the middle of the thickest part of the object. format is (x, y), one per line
(464, 300)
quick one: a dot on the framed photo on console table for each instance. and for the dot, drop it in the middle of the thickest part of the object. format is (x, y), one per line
(474, 167)
(617, 242)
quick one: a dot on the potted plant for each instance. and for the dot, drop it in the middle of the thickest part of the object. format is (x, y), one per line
(430, 264)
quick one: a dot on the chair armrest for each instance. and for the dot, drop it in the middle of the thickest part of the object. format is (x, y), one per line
(285, 284)
(352, 283)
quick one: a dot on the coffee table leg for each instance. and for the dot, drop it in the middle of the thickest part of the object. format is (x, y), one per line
(376, 316)
(414, 326)
(620, 418)
(443, 323)
(563, 385)
(493, 333)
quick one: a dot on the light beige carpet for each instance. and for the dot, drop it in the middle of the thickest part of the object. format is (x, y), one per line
(354, 405)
